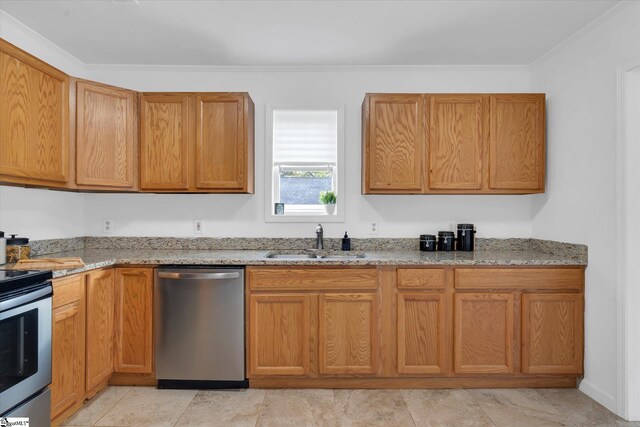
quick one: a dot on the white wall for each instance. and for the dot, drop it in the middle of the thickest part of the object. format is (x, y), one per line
(580, 203)
(40, 214)
(631, 97)
(242, 215)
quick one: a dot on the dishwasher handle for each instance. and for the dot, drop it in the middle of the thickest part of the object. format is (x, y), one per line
(198, 276)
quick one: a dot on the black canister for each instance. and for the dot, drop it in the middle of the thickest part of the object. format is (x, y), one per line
(446, 241)
(427, 243)
(466, 237)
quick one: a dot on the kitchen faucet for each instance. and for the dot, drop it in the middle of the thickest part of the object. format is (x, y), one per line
(319, 237)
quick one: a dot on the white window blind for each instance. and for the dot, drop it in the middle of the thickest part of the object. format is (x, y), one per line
(303, 137)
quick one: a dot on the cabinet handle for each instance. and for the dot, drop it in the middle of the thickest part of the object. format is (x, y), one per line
(198, 276)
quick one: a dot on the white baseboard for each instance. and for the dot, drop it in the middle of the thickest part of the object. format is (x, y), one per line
(602, 397)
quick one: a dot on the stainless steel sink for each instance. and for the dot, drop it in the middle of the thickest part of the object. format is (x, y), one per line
(318, 256)
(290, 256)
(344, 257)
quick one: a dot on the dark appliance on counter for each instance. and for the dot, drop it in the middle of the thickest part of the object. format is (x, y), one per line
(465, 240)
(25, 353)
(427, 243)
(446, 241)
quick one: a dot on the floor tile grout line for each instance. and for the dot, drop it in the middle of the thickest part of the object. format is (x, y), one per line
(261, 405)
(404, 399)
(475, 401)
(97, 396)
(186, 406)
(114, 405)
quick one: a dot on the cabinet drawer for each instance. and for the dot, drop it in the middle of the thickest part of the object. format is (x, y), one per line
(312, 278)
(428, 278)
(67, 290)
(516, 278)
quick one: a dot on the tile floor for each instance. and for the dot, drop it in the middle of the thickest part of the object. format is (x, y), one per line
(147, 406)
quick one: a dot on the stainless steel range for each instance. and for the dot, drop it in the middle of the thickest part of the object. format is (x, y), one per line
(25, 345)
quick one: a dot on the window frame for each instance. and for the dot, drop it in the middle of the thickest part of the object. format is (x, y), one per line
(340, 186)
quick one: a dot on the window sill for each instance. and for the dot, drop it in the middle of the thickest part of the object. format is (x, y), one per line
(304, 218)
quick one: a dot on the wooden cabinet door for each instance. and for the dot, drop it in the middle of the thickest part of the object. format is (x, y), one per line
(164, 142)
(393, 141)
(67, 358)
(105, 135)
(221, 143)
(517, 142)
(280, 334)
(34, 119)
(483, 332)
(455, 142)
(552, 333)
(133, 320)
(422, 345)
(348, 334)
(99, 342)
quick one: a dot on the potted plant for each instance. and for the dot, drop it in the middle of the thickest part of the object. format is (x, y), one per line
(328, 199)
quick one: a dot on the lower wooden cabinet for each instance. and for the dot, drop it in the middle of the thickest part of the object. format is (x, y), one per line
(99, 327)
(348, 333)
(552, 333)
(133, 320)
(316, 330)
(425, 326)
(280, 334)
(67, 345)
(483, 333)
(422, 344)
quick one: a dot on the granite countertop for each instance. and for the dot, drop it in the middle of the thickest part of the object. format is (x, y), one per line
(97, 258)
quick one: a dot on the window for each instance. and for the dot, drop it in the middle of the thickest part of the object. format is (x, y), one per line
(304, 159)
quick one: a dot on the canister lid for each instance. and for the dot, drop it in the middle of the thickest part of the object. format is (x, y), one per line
(446, 234)
(465, 227)
(427, 237)
(13, 240)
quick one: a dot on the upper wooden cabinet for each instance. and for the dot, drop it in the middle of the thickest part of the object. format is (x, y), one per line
(67, 133)
(517, 142)
(34, 120)
(106, 136)
(392, 144)
(453, 143)
(199, 142)
(164, 141)
(223, 148)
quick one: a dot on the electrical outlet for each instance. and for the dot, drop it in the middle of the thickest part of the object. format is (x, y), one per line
(373, 228)
(107, 226)
(197, 226)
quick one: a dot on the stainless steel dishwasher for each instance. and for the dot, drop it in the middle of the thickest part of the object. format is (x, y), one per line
(199, 327)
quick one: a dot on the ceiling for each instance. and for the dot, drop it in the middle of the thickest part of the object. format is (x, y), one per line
(307, 33)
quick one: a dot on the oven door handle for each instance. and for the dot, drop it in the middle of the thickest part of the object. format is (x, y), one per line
(25, 299)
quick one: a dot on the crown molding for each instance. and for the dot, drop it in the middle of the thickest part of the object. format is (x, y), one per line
(10, 21)
(582, 32)
(301, 68)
